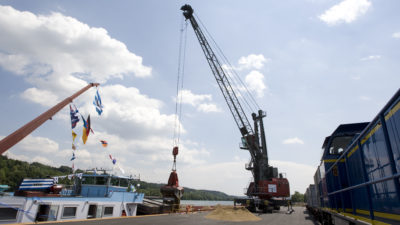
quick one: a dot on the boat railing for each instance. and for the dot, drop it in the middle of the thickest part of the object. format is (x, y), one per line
(68, 190)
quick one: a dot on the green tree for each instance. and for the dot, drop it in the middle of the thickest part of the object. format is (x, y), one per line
(297, 197)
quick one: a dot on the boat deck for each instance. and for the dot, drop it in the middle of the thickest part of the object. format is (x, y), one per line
(300, 217)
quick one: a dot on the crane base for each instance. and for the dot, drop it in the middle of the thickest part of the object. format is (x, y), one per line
(258, 205)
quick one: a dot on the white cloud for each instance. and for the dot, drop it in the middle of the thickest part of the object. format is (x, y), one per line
(396, 35)
(35, 149)
(255, 82)
(130, 112)
(60, 56)
(61, 52)
(187, 97)
(252, 61)
(146, 153)
(346, 11)
(42, 97)
(38, 144)
(371, 57)
(294, 140)
(205, 107)
(201, 102)
(298, 181)
(198, 176)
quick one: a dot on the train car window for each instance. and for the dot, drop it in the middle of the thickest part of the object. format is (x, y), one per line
(339, 144)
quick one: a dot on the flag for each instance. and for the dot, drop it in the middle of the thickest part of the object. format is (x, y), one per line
(113, 159)
(86, 129)
(73, 136)
(73, 157)
(122, 171)
(74, 117)
(73, 146)
(89, 126)
(84, 135)
(104, 143)
(97, 103)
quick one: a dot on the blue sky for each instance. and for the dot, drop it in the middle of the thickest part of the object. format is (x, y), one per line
(312, 65)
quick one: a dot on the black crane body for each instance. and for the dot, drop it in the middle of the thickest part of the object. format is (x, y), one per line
(267, 185)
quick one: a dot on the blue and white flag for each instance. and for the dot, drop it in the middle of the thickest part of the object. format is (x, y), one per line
(73, 156)
(74, 116)
(97, 103)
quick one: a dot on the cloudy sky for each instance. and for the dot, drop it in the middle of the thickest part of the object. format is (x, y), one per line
(311, 64)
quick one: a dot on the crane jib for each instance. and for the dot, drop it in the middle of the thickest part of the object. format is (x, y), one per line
(220, 76)
(252, 140)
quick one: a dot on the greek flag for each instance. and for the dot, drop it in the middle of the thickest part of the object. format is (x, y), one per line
(36, 184)
(97, 103)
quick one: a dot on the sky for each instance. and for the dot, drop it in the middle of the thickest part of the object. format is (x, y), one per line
(310, 64)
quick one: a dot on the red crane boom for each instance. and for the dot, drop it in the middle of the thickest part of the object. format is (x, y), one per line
(25, 130)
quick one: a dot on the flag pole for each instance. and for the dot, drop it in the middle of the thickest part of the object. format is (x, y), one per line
(25, 130)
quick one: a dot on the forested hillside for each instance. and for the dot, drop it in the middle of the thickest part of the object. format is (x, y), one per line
(152, 189)
(13, 171)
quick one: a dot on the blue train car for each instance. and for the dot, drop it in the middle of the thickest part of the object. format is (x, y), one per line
(359, 175)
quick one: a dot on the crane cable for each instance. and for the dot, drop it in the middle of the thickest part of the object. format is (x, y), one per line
(179, 83)
(236, 86)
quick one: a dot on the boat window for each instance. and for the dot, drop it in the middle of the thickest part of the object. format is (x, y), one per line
(69, 211)
(92, 211)
(53, 213)
(114, 182)
(123, 183)
(339, 144)
(100, 180)
(88, 180)
(8, 214)
(99, 211)
(108, 211)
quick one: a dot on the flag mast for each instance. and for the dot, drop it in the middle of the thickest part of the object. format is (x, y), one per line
(25, 130)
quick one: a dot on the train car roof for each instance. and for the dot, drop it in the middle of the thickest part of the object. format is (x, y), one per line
(346, 129)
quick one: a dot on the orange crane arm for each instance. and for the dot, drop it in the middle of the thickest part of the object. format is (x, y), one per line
(24, 131)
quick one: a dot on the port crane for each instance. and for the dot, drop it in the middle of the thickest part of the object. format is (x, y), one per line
(269, 188)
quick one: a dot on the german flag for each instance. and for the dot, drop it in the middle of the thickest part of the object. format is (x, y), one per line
(104, 143)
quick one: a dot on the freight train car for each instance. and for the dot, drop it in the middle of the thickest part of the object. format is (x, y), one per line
(358, 178)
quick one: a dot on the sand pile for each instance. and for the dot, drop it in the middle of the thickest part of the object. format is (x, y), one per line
(229, 213)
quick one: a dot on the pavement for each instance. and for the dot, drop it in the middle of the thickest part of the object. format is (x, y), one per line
(300, 216)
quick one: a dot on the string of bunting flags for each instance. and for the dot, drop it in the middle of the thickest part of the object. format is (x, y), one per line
(70, 176)
(76, 116)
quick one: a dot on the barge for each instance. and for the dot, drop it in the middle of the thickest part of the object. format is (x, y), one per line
(92, 196)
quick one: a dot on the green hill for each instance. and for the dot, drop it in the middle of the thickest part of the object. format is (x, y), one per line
(153, 189)
(12, 172)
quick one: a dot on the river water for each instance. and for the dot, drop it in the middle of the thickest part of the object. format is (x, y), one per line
(205, 203)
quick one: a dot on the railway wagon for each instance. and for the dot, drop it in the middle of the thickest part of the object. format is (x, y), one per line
(357, 180)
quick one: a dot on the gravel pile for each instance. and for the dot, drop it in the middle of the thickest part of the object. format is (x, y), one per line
(230, 213)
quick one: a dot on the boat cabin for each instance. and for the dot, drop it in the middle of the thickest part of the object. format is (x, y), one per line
(93, 195)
